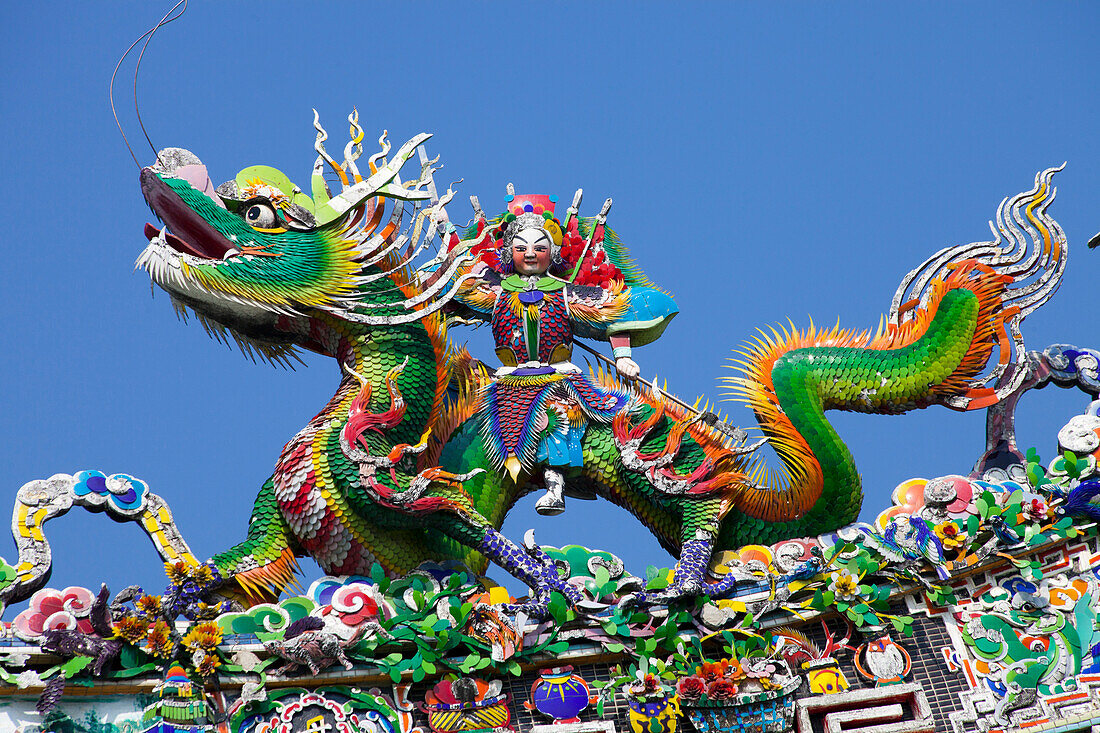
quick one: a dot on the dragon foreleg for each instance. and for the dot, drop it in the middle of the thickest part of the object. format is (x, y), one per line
(531, 565)
(264, 563)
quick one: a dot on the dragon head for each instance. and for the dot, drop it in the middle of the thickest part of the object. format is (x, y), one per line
(259, 259)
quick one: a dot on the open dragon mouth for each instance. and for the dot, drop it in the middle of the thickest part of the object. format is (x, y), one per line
(190, 234)
(152, 232)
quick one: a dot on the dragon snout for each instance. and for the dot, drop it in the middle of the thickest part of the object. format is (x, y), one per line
(185, 165)
(171, 159)
(191, 234)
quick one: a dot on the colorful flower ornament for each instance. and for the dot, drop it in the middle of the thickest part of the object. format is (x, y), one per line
(132, 629)
(1035, 510)
(762, 670)
(206, 636)
(159, 641)
(691, 688)
(951, 535)
(712, 671)
(721, 689)
(844, 585)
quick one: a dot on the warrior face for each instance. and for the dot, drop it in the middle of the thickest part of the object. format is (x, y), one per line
(531, 251)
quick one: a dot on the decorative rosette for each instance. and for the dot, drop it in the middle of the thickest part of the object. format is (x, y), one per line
(119, 492)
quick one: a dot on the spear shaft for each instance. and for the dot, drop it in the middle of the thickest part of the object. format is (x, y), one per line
(708, 417)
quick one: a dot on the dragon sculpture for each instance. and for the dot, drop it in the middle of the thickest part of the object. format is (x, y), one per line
(394, 468)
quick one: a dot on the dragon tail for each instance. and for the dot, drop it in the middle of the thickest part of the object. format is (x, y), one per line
(946, 319)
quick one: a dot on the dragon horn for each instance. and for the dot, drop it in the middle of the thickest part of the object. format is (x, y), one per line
(323, 157)
(354, 148)
(381, 182)
(479, 215)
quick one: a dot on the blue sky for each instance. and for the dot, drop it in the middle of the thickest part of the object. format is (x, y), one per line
(767, 160)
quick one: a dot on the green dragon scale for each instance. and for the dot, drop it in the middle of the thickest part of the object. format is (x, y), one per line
(393, 470)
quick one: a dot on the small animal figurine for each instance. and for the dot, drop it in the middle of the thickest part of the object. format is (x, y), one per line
(907, 539)
(1083, 499)
(309, 643)
(883, 661)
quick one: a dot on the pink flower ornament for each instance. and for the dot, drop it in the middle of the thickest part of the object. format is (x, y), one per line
(55, 609)
(691, 688)
(1034, 510)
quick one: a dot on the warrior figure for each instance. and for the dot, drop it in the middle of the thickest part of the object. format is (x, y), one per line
(542, 283)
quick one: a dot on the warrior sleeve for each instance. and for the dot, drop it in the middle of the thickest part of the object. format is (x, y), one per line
(639, 311)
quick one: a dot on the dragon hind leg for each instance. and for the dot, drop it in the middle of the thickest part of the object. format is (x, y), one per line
(698, 539)
(531, 565)
(686, 526)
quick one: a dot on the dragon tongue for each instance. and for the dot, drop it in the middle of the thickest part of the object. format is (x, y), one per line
(151, 233)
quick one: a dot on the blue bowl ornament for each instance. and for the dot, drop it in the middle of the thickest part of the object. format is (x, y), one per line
(559, 694)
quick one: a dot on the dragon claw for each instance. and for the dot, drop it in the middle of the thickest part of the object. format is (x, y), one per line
(689, 588)
(664, 597)
(539, 605)
(534, 567)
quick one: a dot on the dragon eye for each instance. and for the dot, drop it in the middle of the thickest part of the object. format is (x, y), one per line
(261, 216)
